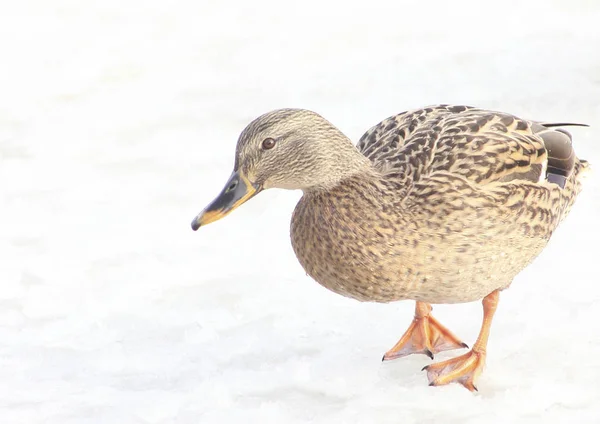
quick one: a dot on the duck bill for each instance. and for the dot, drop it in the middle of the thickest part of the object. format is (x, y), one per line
(237, 191)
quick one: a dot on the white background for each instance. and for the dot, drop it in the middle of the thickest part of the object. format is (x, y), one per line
(118, 121)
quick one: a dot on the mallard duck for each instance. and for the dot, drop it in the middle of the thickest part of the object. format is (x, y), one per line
(445, 204)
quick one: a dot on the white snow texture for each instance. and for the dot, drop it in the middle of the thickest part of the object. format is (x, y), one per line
(118, 123)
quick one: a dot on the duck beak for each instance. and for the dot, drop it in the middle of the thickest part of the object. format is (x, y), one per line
(237, 191)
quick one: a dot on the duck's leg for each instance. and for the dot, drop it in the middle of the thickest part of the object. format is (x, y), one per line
(424, 335)
(466, 368)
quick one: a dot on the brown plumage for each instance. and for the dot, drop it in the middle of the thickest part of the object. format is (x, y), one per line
(445, 204)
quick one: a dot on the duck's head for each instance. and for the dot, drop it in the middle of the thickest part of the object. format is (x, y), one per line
(285, 148)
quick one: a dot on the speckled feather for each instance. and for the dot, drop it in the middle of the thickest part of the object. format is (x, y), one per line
(455, 206)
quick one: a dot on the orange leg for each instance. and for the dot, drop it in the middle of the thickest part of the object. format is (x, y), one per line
(465, 369)
(424, 335)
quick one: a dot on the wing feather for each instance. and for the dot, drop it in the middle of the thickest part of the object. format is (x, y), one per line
(480, 145)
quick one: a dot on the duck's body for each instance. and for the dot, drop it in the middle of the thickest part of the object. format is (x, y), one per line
(446, 214)
(359, 250)
(444, 204)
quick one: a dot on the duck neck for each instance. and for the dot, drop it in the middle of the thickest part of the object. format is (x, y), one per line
(338, 164)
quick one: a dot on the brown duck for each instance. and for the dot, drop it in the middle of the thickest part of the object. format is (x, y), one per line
(445, 204)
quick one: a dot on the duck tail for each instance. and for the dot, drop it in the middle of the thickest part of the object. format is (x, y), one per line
(585, 169)
(563, 124)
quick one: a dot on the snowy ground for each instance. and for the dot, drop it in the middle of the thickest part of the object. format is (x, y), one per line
(118, 124)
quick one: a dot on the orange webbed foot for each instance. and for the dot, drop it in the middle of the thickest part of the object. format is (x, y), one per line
(463, 369)
(425, 335)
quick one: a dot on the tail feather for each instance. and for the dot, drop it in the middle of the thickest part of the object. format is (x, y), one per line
(562, 124)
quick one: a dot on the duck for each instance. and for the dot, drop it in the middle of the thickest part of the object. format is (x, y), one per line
(439, 205)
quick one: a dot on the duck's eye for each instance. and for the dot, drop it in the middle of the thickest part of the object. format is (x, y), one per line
(268, 143)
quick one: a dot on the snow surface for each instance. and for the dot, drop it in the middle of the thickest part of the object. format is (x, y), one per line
(118, 121)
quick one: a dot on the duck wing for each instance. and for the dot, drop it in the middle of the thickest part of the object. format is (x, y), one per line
(480, 145)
